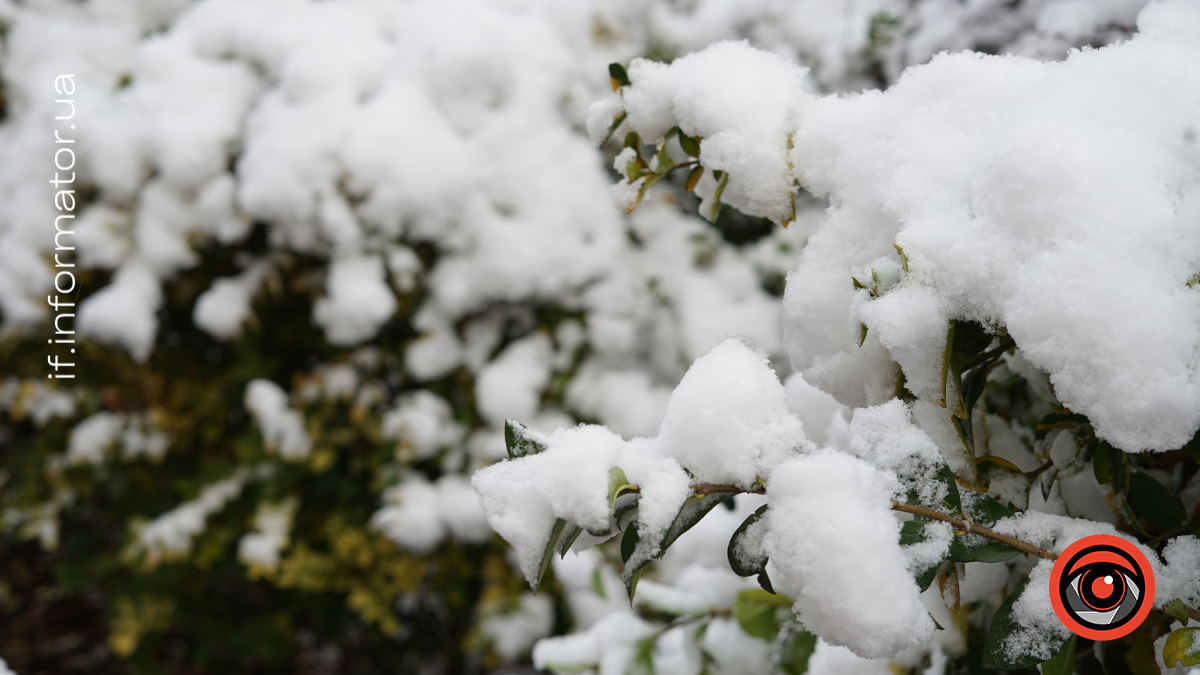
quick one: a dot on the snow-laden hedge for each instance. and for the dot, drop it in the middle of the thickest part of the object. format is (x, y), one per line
(326, 250)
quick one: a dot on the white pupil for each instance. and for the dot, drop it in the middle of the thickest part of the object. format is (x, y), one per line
(1108, 580)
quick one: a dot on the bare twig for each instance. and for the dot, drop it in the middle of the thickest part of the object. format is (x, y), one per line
(974, 528)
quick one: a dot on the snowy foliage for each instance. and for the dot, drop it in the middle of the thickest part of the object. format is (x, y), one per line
(336, 258)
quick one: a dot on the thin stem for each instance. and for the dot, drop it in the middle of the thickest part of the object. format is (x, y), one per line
(958, 523)
(967, 526)
(1033, 475)
(1005, 345)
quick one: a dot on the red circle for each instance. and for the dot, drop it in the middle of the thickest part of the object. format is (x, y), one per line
(1102, 588)
(1112, 633)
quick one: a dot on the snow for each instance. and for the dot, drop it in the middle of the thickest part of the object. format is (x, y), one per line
(170, 535)
(514, 633)
(282, 427)
(886, 437)
(223, 309)
(91, 437)
(422, 421)
(358, 300)
(418, 515)
(728, 421)
(269, 535)
(834, 547)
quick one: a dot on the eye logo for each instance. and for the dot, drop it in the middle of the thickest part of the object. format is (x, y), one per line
(1102, 587)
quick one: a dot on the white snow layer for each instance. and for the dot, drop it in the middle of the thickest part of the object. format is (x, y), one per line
(1015, 203)
(282, 428)
(834, 547)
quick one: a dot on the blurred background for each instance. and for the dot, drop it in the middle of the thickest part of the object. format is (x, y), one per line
(323, 251)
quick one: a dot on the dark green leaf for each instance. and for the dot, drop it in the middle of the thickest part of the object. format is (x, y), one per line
(970, 338)
(1111, 467)
(985, 511)
(555, 533)
(632, 140)
(1151, 500)
(913, 532)
(616, 73)
(1062, 663)
(757, 612)
(1177, 609)
(612, 129)
(994, 656)
(741, 567)
(952, 500)
(795, 652)
(690, 144)
(629, 541)
(519, 440)
(862, 334)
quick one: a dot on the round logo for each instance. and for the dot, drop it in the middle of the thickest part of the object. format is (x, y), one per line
(1102, 587)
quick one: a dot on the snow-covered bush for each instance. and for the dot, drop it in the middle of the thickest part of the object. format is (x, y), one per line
(325, 250)
(1003, 289)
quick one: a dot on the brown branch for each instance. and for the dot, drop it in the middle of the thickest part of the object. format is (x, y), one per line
(967, 526)
(1033, 475)
(958, 523)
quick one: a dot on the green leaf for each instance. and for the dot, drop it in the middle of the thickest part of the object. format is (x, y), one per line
(985, 511)
(913, 532)
(644, 656)
(1182, 648)
(612, 129)
(1003, 625)
(756, 612)
(629, 541)
(632, 140)
(555, 533)
(618, 485)
(741, 567)
(598, 584)
(796, 651)
(716, 207)
(952, 499)
(858, 285)
(903, 258)
(570, 534)
(862, 334)
(1151, 500)
(690, 144)
(618, 76)
(520, 441)
(1177, 609)
(1111, 467)
(693, 178)
(1062, 663)
(664, 163)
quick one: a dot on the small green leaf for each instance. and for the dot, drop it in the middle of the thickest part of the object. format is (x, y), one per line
(1111, 467)
(618, 485)
(1151, 500)
(632, 140)
(952, 499)
(1177, 609)
(664, 163)
(690, 144)
(858, 285)
(1182, 648)
(913, 532)
(1062, 663)
(618, 76)
(598, 584)
(756, 612)
(716, 207)
(570, 534)
(629, 541)
(520, 441)
(862, 334)
(985, 511)
(741, 566)
(693, 178)
(796, 651)
(903, 258)
(995, 656)
(644, 656)
(555, 533)
(612, 129)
